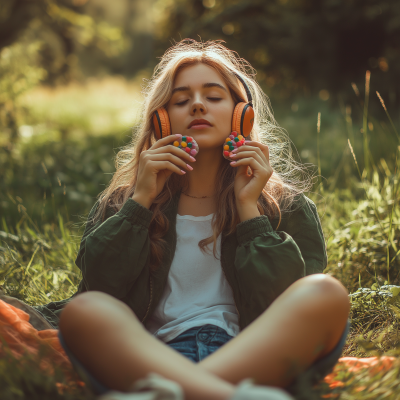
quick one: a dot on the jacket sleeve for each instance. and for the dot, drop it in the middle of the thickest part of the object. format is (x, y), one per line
(305, 228)
(272, 260)
(113, 253)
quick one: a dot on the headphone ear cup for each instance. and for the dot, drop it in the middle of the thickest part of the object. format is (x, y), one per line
(243, 119)
(162, 126)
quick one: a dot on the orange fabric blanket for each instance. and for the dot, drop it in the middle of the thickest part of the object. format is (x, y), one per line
(354, 364)
(21, 336)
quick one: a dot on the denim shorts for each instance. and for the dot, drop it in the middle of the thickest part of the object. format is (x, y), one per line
(199, 342)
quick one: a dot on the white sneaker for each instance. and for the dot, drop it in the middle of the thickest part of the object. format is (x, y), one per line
(153, 387)
(246, 390)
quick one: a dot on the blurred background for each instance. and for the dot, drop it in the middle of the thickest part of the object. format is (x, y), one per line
(71, 73)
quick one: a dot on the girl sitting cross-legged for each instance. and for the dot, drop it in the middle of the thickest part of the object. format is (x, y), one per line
(202, 261)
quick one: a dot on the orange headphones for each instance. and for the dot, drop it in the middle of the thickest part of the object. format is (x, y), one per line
(242, 120)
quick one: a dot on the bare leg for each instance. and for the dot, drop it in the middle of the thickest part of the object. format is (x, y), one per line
(302, 325)
(111, 342)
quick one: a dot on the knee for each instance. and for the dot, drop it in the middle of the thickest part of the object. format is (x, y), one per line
(328, 285)
(78, 312)
(89, 311)
(326, 293)
(323, 293)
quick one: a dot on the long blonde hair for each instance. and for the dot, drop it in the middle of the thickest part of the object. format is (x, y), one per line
(278, 194)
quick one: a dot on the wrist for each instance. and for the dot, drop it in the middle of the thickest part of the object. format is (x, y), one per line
(247, 211)
(142, 200)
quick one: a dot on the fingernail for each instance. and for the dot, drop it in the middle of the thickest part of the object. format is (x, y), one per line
(183, 171)
(233, 162)
(178, 135)
(247, 141)
(234, 151)
(192, 158)
(190, 167)
(233, 155)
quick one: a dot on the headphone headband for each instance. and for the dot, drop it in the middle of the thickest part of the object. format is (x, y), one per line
(242, 118)
(246, 88)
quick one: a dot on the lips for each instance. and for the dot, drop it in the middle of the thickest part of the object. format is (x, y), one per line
(199, 122)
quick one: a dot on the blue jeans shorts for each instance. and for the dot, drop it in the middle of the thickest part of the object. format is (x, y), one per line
(199, 342)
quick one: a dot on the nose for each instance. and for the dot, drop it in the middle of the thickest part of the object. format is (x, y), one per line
(198, 105)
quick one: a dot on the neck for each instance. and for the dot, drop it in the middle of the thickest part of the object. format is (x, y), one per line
(202, 178)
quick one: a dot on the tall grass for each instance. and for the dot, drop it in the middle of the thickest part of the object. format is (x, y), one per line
(37, 266)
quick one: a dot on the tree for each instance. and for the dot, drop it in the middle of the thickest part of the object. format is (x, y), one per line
(298, 45)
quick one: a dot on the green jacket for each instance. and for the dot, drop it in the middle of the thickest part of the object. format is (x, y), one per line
(259, 263)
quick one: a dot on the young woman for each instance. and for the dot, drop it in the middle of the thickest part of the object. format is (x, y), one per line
(157, 299)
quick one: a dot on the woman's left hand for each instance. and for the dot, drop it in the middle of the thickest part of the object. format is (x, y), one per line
(249, 187)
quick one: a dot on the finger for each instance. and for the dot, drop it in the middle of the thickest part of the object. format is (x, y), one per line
(171, 158)
(158, 166)
(253, 164)
(263, 148)
(164, 141)
(250, 154)
(175, 150)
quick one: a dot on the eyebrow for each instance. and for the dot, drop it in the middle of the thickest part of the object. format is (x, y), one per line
(205, 86)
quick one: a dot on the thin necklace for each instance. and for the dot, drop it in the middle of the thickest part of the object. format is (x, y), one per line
(203, 197)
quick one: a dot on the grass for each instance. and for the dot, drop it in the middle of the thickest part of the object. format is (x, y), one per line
(360, 220)
(97, 107)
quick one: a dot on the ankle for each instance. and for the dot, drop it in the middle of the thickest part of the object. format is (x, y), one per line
(226, 394)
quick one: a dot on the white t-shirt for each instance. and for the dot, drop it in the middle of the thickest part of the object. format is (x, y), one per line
(197, 292)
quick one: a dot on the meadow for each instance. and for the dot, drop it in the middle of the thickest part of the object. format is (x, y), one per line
(64, 158)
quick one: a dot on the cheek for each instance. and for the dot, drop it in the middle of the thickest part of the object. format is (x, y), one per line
(176, 118)
(225, 117)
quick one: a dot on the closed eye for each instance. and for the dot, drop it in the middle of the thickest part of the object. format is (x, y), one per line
(181, 103)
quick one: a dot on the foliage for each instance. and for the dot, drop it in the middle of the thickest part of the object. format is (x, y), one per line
(296, 46)
(18, 73)
(50, 176)
(375, 317)
(37, 266)
(38, 41)
(65, 154)
(362, 236)
(96, 107)
(61, 26)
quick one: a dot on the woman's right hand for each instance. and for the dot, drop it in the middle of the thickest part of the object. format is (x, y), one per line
(155, 165)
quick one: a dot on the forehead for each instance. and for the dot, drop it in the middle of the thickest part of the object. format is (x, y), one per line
(198, 75)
